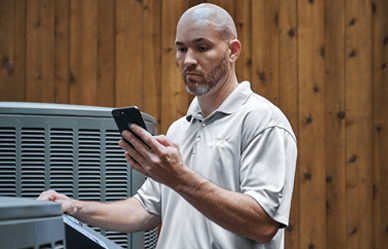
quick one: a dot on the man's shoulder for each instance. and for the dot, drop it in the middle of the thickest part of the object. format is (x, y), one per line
(177, 126)
(262, 114)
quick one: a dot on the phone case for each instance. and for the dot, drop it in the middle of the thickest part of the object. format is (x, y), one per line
(126, 116)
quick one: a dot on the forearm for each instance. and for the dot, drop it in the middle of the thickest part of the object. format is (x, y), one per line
(234, 211)
(124, 216)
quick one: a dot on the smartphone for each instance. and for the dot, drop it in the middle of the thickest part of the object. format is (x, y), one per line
(126, 116)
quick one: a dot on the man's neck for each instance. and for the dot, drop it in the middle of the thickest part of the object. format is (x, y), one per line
(214, 98)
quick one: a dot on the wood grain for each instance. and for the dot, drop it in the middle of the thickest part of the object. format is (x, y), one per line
(83, 52)
(312, 132)
(380, 121)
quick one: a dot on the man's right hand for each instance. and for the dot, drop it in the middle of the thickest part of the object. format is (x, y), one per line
(68, 205)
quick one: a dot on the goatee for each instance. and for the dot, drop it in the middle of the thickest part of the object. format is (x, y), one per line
(199, 88)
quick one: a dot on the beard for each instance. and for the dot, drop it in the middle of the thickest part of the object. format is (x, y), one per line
(208, 82)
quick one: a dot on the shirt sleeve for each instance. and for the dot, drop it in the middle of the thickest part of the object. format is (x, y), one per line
(149, 196)
(267, 172)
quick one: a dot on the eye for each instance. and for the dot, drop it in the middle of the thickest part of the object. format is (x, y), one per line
(203, 48)
(182, 50)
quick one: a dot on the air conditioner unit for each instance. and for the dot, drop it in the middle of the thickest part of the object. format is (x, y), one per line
(72, 149)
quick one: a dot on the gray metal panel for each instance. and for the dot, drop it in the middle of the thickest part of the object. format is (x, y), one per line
(26, 223)
(28, 108)
(39, 233)
(22, 208)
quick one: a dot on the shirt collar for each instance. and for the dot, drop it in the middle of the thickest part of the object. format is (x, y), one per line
(236, 99)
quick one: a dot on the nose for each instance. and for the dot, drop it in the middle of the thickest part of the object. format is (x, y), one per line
(190, 59)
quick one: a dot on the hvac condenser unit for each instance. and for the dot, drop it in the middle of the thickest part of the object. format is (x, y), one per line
(72, 149)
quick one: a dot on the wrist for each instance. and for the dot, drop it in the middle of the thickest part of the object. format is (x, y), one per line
(189, 183)
(72, 207)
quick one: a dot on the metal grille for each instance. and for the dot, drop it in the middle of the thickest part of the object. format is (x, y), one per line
(33, 161)
(89, 165)
(151, 238)
(8, 161)
(117, 171)
(62, 160)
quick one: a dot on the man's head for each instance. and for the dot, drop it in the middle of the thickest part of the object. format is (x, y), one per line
(207, 47)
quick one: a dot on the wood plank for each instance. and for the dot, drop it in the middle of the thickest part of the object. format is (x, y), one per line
(288, 97)
(359, 174)
(62, 51)
(152, 59)
(196, 2)
(7, 19)
(380, 121)
(243, 17)
(265, 52)
(312, 133)
(18, 92)
(129, 47)
(106, 53)
(175, 99)
(40, 51)
(334, 53)
(83, 52)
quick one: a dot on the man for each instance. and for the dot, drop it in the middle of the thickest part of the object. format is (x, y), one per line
(223, 176)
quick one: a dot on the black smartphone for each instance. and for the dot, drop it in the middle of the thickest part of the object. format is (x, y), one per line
(126, 116)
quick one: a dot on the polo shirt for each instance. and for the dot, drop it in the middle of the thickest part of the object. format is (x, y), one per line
(247, 145)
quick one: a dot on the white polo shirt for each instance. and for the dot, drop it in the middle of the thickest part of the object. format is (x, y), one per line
(247, 145)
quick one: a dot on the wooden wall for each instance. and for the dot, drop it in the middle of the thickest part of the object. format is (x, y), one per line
(323, 62)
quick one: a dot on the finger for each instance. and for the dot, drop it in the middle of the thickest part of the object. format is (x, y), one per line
(164, 140)
(133, 152)
(130, 140)
(134, 165)
(147, 138)
(124, 145)
(136, 148)
(48, 195)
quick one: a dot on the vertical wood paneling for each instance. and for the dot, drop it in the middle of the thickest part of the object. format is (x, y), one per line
(40, 51)
(18, 92)
(323, 62)
(6, 46)
(129, 59)
(334, 53)
(83, 52)
(243, 19)
(311, 75)
(174, 94)
(288, 96)
(359, 177)
(380, 117)
(61, 51)
(12, 50)
(152, 59)
(265, 49)
(106, 53)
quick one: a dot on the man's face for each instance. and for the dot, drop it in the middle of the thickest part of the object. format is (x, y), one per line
(201, 55)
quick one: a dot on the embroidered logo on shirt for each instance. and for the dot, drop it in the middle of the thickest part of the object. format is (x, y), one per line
(219, 141)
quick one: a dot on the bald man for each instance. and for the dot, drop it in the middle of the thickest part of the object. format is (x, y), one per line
(223, 176)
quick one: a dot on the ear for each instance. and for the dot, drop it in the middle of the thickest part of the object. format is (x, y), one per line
(235, 47)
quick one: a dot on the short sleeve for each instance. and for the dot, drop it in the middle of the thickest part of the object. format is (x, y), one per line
(149, 196)
(267, 171)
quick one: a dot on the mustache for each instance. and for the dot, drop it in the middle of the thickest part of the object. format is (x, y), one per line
(189, 70)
